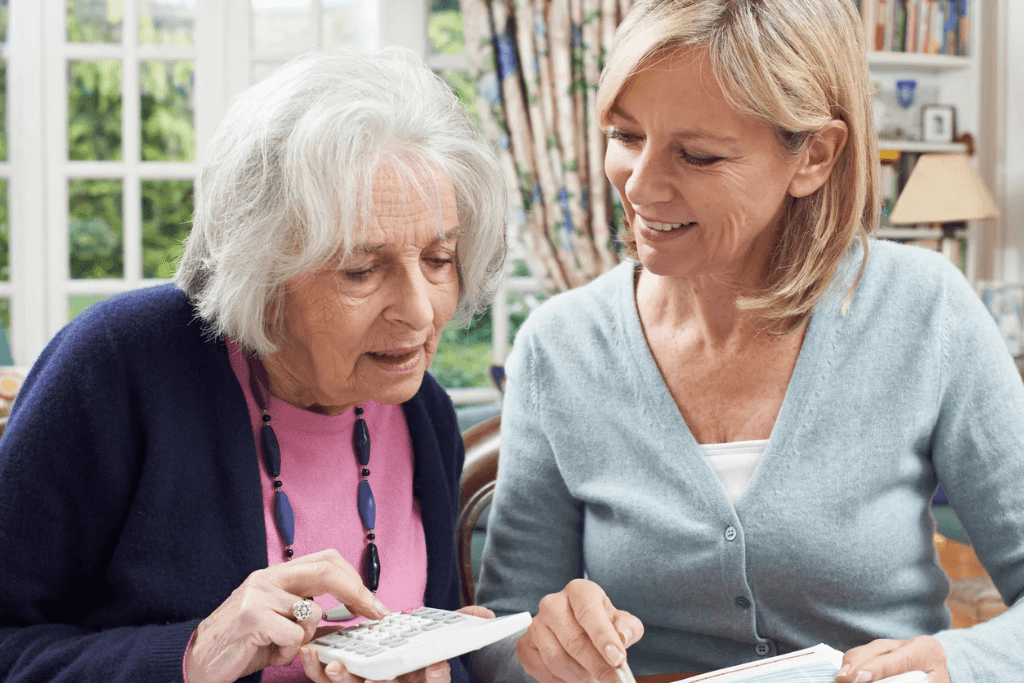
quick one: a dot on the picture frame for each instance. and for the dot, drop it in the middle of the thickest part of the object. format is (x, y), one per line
(938, 123)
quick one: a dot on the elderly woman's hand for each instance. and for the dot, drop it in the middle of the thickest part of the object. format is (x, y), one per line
(577, 635)
(881, 658)
(335, 671)
(254, 628)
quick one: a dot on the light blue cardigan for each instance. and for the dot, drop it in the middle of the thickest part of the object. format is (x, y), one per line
(832, 541)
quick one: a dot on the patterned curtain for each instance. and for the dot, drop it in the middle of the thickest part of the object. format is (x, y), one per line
(536, 65)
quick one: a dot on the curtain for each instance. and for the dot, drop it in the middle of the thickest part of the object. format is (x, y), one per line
(536, 65)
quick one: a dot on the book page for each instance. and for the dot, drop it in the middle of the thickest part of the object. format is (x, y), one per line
(818, 664)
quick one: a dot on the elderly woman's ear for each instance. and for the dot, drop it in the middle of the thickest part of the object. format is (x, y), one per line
(817, 160)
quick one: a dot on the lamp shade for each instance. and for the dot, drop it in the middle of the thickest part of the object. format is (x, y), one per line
(943, 188)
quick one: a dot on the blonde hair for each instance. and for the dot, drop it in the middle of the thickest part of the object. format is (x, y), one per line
(286, 184)
(796, 65)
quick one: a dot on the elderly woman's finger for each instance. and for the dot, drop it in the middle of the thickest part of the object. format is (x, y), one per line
(477, 611)
(318, 672)
(323, 573)
(285, 634)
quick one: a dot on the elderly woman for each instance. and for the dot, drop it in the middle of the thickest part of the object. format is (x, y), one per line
(182, 466)
(730, 448)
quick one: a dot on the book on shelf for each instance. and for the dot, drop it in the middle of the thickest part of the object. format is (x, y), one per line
(818, 664)
(921, 26)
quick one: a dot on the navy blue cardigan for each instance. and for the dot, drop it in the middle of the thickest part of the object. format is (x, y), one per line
(130, 502)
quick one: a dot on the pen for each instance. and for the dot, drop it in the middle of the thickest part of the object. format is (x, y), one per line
(623, 673)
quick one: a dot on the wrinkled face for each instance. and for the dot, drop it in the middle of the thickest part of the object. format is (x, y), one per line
(701, 184)
(369, 329)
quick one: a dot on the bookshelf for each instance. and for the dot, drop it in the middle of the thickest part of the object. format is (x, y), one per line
(939, 55)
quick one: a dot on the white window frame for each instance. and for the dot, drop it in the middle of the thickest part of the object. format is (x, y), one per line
(38, 171)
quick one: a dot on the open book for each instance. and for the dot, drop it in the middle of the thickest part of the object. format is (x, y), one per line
(818, 664)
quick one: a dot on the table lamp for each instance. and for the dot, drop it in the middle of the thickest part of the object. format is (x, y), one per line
(943, 189)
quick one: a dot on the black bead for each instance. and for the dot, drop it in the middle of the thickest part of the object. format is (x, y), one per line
(266, 418)
(366, 471)
(371, 536)
(361, 441)
(271, 451)
(359, 411)
(371, 567)
(277, 484)
(289, 552)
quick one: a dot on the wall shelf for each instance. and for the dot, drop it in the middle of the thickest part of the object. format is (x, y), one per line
(895, 61)
(918, 147)
(916, 233)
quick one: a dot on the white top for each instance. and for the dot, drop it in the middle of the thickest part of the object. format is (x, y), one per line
(734, 463)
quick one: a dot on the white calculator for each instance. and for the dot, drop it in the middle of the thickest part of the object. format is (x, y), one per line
(403, 642)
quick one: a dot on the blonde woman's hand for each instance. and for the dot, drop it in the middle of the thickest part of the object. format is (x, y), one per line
(881, 658)
(335, 672)
(577, 635)
(255, 628)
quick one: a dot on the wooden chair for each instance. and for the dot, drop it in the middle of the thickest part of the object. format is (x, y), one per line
(476, 491)
(973, 598)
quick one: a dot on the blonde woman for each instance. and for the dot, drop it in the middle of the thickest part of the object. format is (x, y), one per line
(727, 450)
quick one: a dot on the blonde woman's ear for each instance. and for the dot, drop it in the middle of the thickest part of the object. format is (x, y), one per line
(818, 159)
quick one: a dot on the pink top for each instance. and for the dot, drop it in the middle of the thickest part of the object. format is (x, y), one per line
(320, 474)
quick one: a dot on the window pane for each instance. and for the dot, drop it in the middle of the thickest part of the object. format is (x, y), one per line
(5, 248)
(280, 26)
(349, 23)
(94, 21)
(94, 110)
(3, 110)
(96, 229)
(445, 29)
(167, 22)
(168, 119)
(464, 354)
(166, 220)
(77, 304)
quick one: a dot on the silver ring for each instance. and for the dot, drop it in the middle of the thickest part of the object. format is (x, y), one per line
(302, 609)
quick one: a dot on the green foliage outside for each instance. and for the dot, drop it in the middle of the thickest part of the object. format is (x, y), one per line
(93, 21)
(96, 221)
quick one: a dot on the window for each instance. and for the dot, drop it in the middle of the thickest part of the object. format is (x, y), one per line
(106, 150)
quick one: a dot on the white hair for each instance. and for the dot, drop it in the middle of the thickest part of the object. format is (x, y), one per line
(286, 184)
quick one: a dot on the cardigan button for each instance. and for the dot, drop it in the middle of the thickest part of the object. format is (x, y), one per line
(730, 533)
(762, 649)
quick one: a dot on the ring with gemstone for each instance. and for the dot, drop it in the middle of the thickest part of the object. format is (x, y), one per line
(302, 609)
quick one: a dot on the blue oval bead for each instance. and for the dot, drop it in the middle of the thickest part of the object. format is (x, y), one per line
(361, 441)
(371, 567)
(284, 517)
(367, 506)
(271, 450)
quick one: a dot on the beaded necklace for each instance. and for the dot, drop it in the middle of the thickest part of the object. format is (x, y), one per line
(284, 518)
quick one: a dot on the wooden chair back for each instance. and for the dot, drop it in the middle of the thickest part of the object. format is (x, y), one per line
(476, 490)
